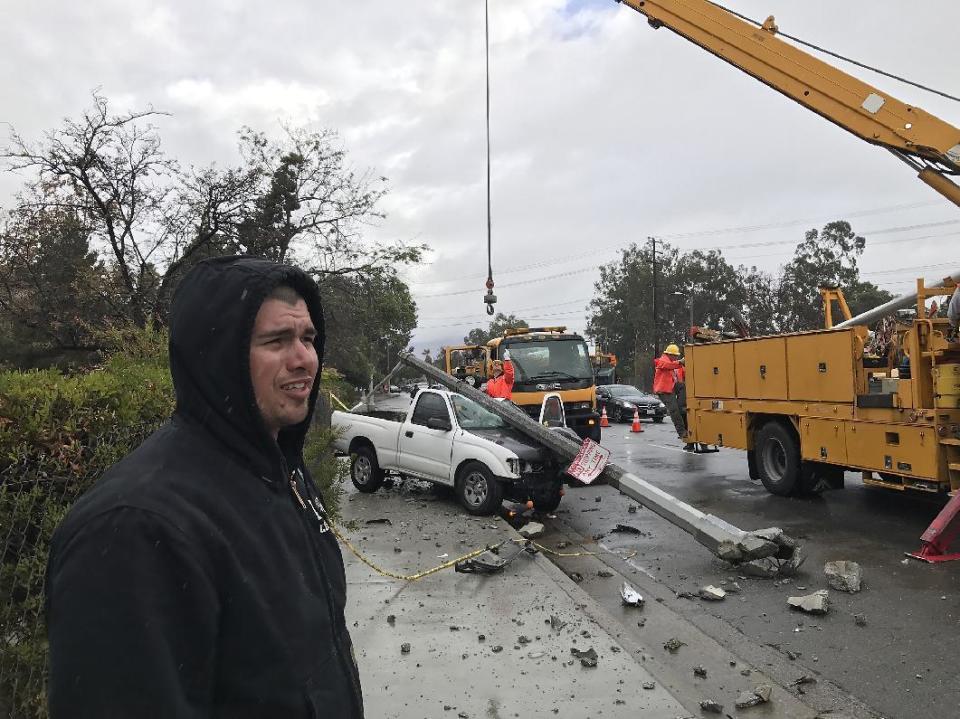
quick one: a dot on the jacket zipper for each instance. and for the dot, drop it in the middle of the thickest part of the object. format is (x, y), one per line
(350, 669)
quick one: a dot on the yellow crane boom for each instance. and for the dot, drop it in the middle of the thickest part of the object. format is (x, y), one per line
(925, 142)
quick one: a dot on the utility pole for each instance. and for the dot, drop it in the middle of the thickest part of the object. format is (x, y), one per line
(656, 323)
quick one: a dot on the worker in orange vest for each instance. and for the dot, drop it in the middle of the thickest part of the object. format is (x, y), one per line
(501, 386)
(668, 373)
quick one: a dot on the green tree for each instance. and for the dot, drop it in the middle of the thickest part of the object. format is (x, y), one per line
(500, 323)
(146, 220)
(826, 258)
(369, 321)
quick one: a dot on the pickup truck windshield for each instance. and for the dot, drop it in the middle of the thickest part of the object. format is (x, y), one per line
(551, 360)
(470, 415)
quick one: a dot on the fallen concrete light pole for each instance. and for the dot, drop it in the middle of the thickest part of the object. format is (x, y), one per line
(721, 538)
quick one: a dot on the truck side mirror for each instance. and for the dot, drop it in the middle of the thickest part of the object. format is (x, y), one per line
(439, 423)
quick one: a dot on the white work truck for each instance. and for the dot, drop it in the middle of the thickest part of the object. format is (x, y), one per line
(444, 437)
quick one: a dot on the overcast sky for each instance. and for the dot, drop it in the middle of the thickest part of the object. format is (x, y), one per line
(604, 131)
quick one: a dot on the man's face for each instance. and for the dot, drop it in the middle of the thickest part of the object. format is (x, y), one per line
(283, 362)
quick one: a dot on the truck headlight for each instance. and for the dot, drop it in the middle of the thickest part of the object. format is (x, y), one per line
(661, 404)
(629, 405)
(514, 464)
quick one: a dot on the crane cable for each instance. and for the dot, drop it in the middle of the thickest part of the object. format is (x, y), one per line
(840, 57)
(490, 299)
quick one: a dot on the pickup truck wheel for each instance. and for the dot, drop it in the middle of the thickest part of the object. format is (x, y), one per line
(778, 459)
(365, 472)
(548, 500)
(478, 490)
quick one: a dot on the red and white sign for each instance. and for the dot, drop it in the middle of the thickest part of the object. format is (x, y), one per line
(589, 462)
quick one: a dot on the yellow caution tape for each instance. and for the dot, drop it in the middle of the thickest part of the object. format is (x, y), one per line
(409, 577)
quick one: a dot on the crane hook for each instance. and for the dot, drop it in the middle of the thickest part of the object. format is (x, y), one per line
(490, 299)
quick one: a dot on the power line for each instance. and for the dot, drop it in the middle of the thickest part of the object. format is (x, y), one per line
(599, 252)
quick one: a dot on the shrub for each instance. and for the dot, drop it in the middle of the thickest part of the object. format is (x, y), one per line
(58, 434)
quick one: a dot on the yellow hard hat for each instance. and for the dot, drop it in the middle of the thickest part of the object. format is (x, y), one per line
(672, 350)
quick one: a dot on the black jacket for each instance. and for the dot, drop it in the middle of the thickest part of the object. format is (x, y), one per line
(194, 579)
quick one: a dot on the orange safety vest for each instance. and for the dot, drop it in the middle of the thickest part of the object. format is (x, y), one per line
(502, 386)
(665, 374)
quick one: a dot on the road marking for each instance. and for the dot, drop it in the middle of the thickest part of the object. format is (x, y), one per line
(672, 449)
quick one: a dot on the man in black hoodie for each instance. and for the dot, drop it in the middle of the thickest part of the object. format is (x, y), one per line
(199, 576)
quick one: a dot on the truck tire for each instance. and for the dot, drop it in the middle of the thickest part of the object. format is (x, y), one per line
(365, 472)
(658, 420)
(778, 458)
(478, 490)
(548, 499)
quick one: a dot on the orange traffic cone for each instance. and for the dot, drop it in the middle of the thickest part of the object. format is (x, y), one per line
(604, 422)
(636, 422)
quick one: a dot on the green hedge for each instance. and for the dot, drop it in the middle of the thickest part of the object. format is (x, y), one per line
(58, 434)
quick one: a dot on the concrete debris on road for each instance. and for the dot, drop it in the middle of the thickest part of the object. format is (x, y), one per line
(711, 707)
(587, 658)
(531, 530)
(556, 623)
(632, 509)
(700, 671)
(604, 573)
(759, 695)
(649, 685)
(405, 648)
(712, 593)
(626, 529)
(630, 596)
(860, 620)
(673, 644)
(576, 576)
(730, 586)
(843, 575)
(816, 603)
(772, 567)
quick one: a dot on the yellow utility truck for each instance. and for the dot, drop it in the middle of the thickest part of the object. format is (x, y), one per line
(545, 359)
(809, 405)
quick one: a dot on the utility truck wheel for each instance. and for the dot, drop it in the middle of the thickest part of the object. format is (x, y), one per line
(365, 472)
(478, 490)
(778, 458)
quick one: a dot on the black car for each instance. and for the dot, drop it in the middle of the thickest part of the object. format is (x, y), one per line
(622, 399)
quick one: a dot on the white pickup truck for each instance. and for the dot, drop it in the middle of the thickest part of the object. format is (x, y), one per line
(446, 438)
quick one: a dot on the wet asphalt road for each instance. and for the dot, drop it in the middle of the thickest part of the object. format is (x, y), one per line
(902, 663)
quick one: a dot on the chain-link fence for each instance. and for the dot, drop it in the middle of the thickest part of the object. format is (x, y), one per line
(30, 509)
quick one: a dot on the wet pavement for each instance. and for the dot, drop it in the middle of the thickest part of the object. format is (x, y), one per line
(464, 645)
(892, 644)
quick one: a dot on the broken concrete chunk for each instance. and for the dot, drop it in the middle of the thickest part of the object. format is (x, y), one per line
(649, 685)
(587, 658)
(576, 576)
(405, 648)
(673, 644)
(711, 707)
(728, 552)
(760, 695)
(630, 596)
(556, 623)
(632, 509)
(700, 671)
(531, 530)
(730, 587)
(606, 574)
(626, 529)
(712, 593)
(844, 576)
(860, 620)
(391, 618)
(816, 603)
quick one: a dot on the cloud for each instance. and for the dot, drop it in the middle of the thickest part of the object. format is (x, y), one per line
(603, 130)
